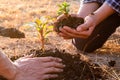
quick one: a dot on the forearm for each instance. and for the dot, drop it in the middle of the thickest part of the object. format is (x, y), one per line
(7, 68)
(102, 13)
(87, 8)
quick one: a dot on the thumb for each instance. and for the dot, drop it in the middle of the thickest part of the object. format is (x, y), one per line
(29, 56)
(83, 27)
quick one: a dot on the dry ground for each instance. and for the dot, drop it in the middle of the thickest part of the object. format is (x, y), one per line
(15, 13)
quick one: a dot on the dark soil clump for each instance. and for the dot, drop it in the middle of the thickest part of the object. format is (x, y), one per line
(76, 69)
(11, 32)
(70, 20)
(2, 78)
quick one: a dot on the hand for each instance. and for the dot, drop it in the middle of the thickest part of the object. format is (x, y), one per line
(38, 68)
(82, 31)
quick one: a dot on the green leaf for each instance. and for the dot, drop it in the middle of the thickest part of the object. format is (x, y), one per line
(50, 27)
(65, 4)
(67, 10)
(63, 8)
(38, 22)
(47, 32)
(38, 28)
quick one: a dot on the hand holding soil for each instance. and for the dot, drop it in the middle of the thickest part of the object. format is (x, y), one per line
(38, 68)
(66, 25)
(70, 20)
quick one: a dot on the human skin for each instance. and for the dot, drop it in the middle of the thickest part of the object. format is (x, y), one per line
(91, 21)
(27, 68)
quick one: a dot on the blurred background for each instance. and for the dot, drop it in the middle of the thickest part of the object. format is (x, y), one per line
(15, 13)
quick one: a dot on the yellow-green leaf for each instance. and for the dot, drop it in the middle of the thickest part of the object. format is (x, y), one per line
(38, 22)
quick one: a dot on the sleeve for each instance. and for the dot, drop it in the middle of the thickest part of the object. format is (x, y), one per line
(115, 4)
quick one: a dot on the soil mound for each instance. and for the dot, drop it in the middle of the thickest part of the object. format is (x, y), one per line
(76, 69)
(11, 32)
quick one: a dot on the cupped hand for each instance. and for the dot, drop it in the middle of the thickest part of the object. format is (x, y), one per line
(82, 31)
(38, 68)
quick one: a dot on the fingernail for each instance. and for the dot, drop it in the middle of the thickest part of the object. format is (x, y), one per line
(64, 65)
(78, 29)
(61, 70)
(60, 27)
(56, 75)
(59, 59)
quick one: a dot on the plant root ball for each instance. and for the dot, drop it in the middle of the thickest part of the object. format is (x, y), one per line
(72, 21)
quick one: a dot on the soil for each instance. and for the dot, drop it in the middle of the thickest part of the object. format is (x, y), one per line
(2, 78)
(68, 20)
(11, 32)
(76, 68)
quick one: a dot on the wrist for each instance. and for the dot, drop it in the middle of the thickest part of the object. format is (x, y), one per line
(10, 72)
(93, 16)
(7, 68)
(13, 73)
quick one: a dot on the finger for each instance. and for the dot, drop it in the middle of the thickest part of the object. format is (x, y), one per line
(64, 33)
(53, 70)
(29, 56)
(91, 29)
(67, 31)
(62, 16)
(53, 64)
(89, 32)
(49, 59)
(71, 33)
(65, 36)
(83, 27)
(86, 34)
(48, 76)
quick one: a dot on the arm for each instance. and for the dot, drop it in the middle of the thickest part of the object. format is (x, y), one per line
(27, 68)
(103, 12)
(99, 15)
(7, 68)
(87, 8)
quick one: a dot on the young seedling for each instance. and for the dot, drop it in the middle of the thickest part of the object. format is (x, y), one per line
(65, 18)
(43, 27)
(64, 9)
